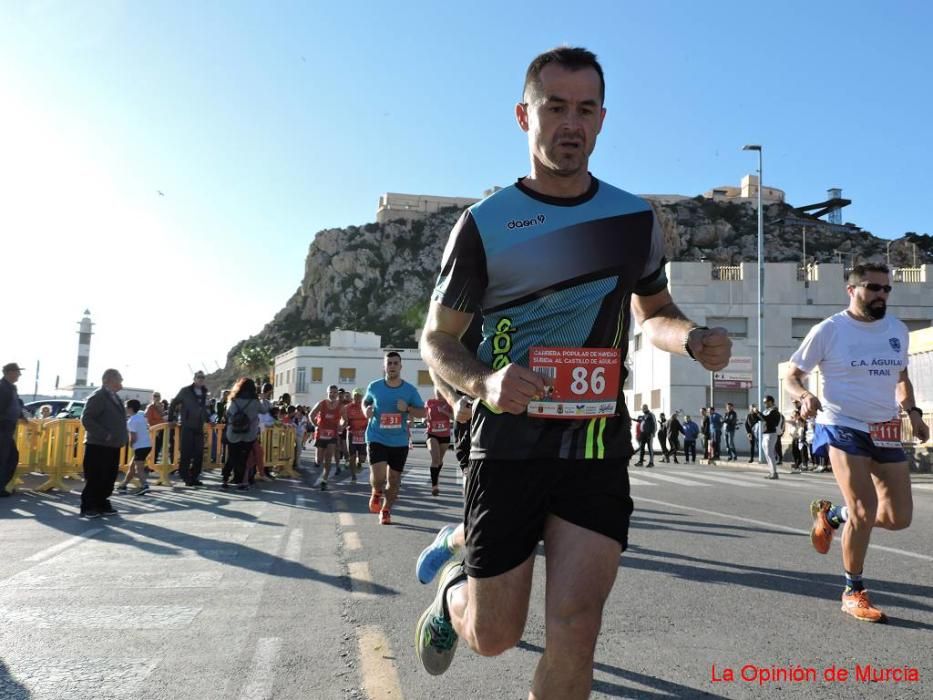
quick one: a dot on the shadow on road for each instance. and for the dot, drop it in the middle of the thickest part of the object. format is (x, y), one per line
(660, 688)
(10, 688)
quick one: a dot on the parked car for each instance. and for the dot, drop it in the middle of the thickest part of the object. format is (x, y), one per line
(419, 432)
(61, 408)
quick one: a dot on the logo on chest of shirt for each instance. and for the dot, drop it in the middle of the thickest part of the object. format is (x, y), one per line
(526, 223)
(895, 344)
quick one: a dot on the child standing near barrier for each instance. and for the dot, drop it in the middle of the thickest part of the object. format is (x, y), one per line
(140, 444)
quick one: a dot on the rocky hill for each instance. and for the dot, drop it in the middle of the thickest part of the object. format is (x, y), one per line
(378, 277)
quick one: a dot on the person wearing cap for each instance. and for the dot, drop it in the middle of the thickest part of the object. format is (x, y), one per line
(11, 411)
(191, 402)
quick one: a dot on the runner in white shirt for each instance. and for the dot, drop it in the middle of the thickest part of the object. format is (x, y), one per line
(862, 355)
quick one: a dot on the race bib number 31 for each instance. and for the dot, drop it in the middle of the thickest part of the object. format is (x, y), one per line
(582, 382)
(390, 421)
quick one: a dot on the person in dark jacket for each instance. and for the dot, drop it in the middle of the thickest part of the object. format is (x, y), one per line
(191, 404)
(691, 431)
(649, 426)
(242, 430)
(662, 437)
(751, 431)
(105, 435)
(705, 434)
(730, 422)
(674, 431)
(11, 412)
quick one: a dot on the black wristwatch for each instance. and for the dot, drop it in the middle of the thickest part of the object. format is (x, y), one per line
(687, 340)
(915, 408)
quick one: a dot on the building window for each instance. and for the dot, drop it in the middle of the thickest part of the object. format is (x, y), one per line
(638, 342)
(288, 376)
(736, 326)
(799, 327)
(301, 380)
(424, 378)
(655, 399)
(637, 403)
(317, 375)
(347, 375)
(737, 397)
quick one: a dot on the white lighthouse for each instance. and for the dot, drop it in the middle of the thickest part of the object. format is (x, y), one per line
(84, 348)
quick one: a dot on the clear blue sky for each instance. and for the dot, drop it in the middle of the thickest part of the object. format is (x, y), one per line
(264, 126)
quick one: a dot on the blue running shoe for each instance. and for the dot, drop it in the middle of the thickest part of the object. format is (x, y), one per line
(435, 637)
(434, 556)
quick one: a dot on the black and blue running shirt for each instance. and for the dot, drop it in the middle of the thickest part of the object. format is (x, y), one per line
(553, 272)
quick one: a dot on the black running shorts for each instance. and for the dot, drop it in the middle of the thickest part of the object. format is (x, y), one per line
(140, 453)
(443, 440)
(507, 502)
(395, 457)
(324, 444)
(462, 445)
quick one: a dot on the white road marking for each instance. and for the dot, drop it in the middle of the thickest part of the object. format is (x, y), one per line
(345, 519)
(723, 480)
(50, 552)
(293, 545)
(775, 526)
(262, 670)
(674, 479)
(23, 513)
(351, 541)
(108, 617)
(640, 482)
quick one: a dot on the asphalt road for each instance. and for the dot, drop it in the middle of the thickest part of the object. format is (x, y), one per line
(287, 592)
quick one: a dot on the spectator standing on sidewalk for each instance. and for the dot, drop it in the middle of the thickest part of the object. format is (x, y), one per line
(662, 437)
(730, 422)
(691, 432)
(11, 412)
(140, 446)
(771, 420)
(705, 433)
(191, 404)
(674, 431)
(105, 435)
(715, 430)
(751, 431)
(648, 424)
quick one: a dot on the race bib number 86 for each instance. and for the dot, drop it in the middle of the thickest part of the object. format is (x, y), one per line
(581, 382)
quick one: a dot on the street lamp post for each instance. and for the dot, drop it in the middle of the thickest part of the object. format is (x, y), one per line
(761, 282)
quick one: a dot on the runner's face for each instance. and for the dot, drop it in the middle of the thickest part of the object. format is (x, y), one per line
(393, 367)
(563, 117)
(869, 303)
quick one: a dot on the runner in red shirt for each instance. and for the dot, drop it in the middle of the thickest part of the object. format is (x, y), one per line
(354, 422)
(326, 416)
(438, 420)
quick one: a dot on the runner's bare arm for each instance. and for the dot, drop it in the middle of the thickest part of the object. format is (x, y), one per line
(510, 388)
(447, 391)
(793, 383)
(906, 400)
(667, 327)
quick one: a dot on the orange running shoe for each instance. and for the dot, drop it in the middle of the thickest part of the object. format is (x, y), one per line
(375, 502)
(385, 518)
(856, 604)
(821, 532)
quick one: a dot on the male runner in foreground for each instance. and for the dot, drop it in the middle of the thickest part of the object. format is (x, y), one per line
(554, 264)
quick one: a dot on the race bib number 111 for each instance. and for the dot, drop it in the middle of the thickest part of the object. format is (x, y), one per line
(582, 382)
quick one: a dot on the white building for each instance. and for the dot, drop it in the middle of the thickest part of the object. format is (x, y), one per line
(351, 360)
(794, 300)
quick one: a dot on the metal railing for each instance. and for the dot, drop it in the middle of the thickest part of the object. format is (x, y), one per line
(908, 275)
(727, 273)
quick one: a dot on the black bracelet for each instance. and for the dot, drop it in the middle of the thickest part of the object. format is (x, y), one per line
(687, 340)
(915, 408)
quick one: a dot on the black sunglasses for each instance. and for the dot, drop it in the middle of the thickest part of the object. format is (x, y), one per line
(875, 287)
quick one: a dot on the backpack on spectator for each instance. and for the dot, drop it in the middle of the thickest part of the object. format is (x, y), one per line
(240, 422)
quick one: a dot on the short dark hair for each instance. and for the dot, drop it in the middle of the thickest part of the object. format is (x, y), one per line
(860, 271)
(392, 353)
(569, 57)
(133, 405)
(769, 398)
